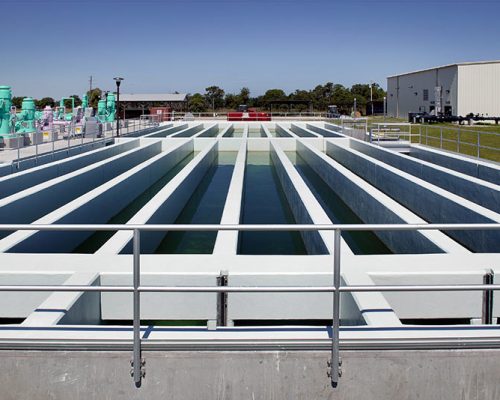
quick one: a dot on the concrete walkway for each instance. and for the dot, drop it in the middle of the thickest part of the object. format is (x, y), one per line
(8, 156)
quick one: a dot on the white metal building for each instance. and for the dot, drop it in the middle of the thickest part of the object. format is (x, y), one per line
(456, 89)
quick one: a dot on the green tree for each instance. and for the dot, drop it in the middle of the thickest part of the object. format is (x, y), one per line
(244, 95)
(17, 102)
(231, 101)
(302, 95)
(94, 96)
(46, 101)
(272, 95)
(68, 102)
(342, 98)
(197, 103)
(214, 96)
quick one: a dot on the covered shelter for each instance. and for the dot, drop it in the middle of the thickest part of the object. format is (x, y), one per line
(132, 105)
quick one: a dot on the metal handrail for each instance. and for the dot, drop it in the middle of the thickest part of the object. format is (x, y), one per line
(336, 289)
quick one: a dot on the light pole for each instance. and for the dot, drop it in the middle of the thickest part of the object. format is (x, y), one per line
(385, 106)
(118, 81)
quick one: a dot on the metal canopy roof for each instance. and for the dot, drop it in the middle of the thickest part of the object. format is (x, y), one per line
(445, 66)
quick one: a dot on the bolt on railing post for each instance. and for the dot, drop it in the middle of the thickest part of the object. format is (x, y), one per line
(137, 372)
(335, 371)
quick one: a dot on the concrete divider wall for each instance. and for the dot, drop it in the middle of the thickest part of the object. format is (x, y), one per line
(229, 131)
(20, 305)
(165, 206)
(16, 182)
(282, 132)
(227, 241)
(300, 131)
(333, 127)
(264, 131)
(97, 206)
(481, 192)
(5, 169)
(69, 307)
(189, 131)
(45, 158)
(168, 306)
(146, 131)
(211, 131)
(313, 241)
(168, 211)
(480, 169)
(369, 204)
(166, 132)
(30, 204)
(323, 132)
(434, 204)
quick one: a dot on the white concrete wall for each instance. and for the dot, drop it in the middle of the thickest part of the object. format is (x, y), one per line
(22, 180)
(485, 170)
(434, 204)
(473, 189)
(373, 206)
(165, 206)
(30, 204)
(97, 206)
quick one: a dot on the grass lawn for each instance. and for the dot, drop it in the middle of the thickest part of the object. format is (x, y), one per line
(469, 137)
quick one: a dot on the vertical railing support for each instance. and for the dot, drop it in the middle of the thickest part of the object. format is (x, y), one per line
(53, 142)
(478, 145)
(137, 364)
(487, 314)
(335, 362)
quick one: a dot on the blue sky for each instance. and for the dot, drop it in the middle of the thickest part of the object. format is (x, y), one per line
(187, 45)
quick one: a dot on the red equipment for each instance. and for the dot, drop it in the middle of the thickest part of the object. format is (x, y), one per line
(249, 116)
(164, 113)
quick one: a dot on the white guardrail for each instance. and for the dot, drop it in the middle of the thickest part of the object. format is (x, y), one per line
(336, 288)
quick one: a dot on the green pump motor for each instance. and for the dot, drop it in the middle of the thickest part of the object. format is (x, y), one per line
(101, 111)
(85, 101)
(110, 108)
(25, 120)
(5, 105)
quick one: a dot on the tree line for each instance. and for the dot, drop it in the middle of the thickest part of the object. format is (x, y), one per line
(93, 98)
(318, 98)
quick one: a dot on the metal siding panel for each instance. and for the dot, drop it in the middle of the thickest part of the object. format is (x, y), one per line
(479, 88)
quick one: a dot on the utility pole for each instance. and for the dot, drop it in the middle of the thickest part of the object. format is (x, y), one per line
(90, 85)
(371, 95)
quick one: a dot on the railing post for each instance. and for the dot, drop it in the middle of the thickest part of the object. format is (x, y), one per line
(53, 142)
(137, 371)
(441, 139)
(335, 362)
(35, 137)
(487, 314)
(478, 144)
(458, 140)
